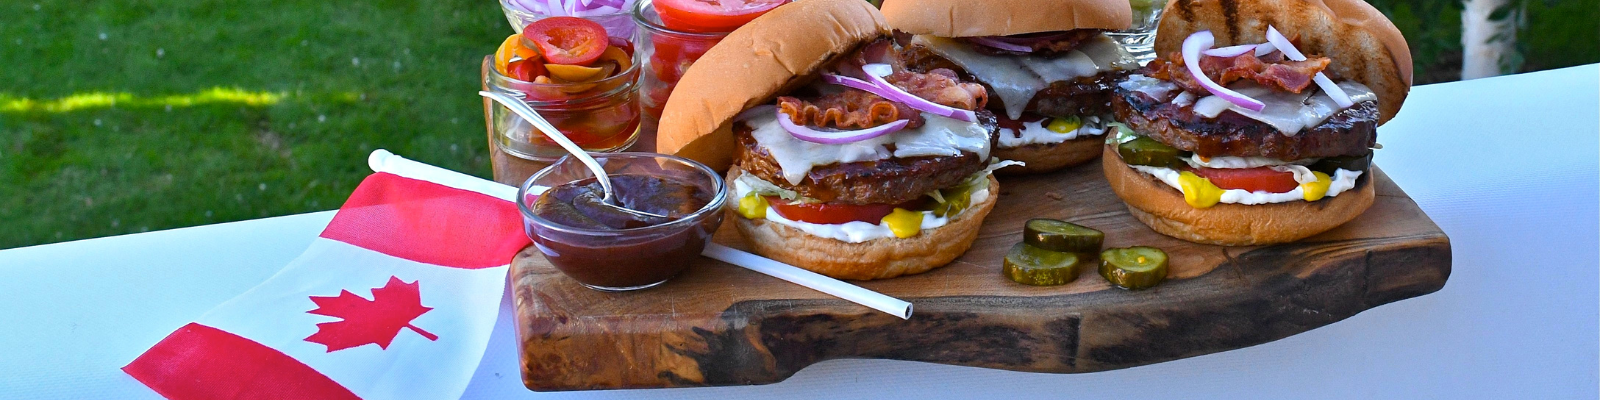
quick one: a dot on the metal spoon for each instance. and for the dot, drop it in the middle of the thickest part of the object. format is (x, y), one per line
(550, 131)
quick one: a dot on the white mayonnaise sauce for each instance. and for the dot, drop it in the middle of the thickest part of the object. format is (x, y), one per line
(1036, 133)
(850, 232)
(1342, 180)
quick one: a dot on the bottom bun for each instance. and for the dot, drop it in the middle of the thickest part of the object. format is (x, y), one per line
(1046, 157)
(1161, 207)
(872, 259)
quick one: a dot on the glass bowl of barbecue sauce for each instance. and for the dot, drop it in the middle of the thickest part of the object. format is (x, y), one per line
(610, 250)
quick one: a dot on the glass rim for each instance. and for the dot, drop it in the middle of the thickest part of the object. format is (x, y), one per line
(718, 199)
(641, 21)
(626, 81)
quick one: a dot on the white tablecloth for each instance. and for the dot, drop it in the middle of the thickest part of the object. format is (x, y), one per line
(1507, 166)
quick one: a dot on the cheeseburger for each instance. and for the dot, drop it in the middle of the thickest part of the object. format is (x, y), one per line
(840, 160)
(1048, 64)
(1258, 123)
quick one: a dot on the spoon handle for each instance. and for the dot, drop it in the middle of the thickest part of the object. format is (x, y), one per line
(550, 131)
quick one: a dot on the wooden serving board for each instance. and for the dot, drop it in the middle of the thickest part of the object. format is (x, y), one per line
(718, 324)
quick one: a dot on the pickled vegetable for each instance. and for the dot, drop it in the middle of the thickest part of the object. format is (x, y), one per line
(1134, 268)
(1062, 236)
(1147, 151)
(1348, 163)
(752, 206)
(1030, 265)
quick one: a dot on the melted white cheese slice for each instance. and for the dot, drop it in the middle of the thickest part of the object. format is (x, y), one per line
(1015, 79)
(1288, 112)
(938, 136)
(1036, 133)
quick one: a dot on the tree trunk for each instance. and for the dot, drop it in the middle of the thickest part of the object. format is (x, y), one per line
(1488, 44)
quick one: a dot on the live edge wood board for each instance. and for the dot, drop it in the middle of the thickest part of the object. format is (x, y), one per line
(718, 324)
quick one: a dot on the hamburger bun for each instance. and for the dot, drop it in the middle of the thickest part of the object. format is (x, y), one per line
(1161, 207)
(1364, 46)
(963, 18)
(1046, 157)
(774, 53)
(873, 259)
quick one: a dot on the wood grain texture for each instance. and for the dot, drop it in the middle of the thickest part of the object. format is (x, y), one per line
(718, 324)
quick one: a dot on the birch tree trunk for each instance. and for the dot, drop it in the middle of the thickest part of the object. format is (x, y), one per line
(1488, 45)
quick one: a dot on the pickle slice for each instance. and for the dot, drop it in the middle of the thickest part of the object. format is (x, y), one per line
(1030, 265)
(1134, 268)
(1348, 163)
(1063, 236)
(1147, 151)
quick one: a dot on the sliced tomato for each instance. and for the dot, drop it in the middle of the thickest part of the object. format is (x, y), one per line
(674, 54)
(568, 40)
(711, 15)
(830, 213)
(1259, 179)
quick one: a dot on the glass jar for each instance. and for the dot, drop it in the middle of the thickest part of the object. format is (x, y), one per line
(600, 116)
(612, 14)
(664, 54)
(1140, 38)
(624, 259)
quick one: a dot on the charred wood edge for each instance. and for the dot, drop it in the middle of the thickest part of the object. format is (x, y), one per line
(1218, 312)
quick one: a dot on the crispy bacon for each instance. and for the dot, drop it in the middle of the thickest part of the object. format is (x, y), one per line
(1271, 70)
(940, 86)
(1052, 42)
(848, 109)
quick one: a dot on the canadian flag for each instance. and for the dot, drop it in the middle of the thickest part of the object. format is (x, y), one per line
(394, 300)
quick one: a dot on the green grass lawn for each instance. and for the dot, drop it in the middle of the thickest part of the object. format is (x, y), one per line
(129, 116)
(134, 115)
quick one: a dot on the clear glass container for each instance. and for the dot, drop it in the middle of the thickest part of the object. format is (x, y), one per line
(624, 259)
(1140, 38)
(664, 54)
(612, 14)
(600, 116)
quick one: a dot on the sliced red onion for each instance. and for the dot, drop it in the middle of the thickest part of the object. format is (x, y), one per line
(837, 137)
(1333, 90)
(889, 91)
(1265, 49)
(1230, 51)
(1000, 44)
(1192, 47)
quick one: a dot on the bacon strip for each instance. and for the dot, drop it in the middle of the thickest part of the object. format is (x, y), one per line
(940, 86)
(848, 109)
(1271, 70)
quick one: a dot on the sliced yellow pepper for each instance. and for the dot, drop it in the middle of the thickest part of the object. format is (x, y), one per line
(511, 48)
(1198, 192)
(1314, 191)
(752, 206)
(1065, 125)
(904, 223)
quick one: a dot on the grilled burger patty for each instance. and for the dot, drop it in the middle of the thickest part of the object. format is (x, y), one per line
(1350, 132)
(1090, 95)
(888, 181)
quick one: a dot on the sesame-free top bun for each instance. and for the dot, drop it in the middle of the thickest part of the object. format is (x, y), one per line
(774, 53)
(964, 18)
(873, 259)
(1162, 208)
(1364, 45)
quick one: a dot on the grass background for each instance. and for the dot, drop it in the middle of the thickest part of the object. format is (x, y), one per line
(135, 115)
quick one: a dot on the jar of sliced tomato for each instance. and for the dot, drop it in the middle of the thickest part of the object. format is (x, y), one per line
(576, 76)
(672, 34)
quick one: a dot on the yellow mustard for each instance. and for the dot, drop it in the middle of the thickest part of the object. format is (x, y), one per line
(904, 223)
(1198, 192)
(1314, 191)
(753, 206)
(1065, 125)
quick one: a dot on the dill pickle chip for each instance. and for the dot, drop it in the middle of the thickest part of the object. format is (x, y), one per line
(1147, 151)
(1030, 265)
(1063, 236)
(1134, 268)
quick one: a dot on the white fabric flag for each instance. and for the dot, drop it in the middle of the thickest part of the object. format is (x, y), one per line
(394, 300)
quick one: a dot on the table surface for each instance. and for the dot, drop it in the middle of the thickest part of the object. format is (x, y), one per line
(1507, 166)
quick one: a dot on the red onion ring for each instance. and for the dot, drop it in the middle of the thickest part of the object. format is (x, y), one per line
(1192, 47)
(889, 91)
(1230, 51)
(837, 137)
(1265, 49)
(1332, 89)
(1000, 44)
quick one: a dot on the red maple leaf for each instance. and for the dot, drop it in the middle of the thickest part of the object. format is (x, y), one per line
(377, 321)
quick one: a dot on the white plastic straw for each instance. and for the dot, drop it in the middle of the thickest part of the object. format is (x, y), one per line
(812, 280)
(383, 161)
